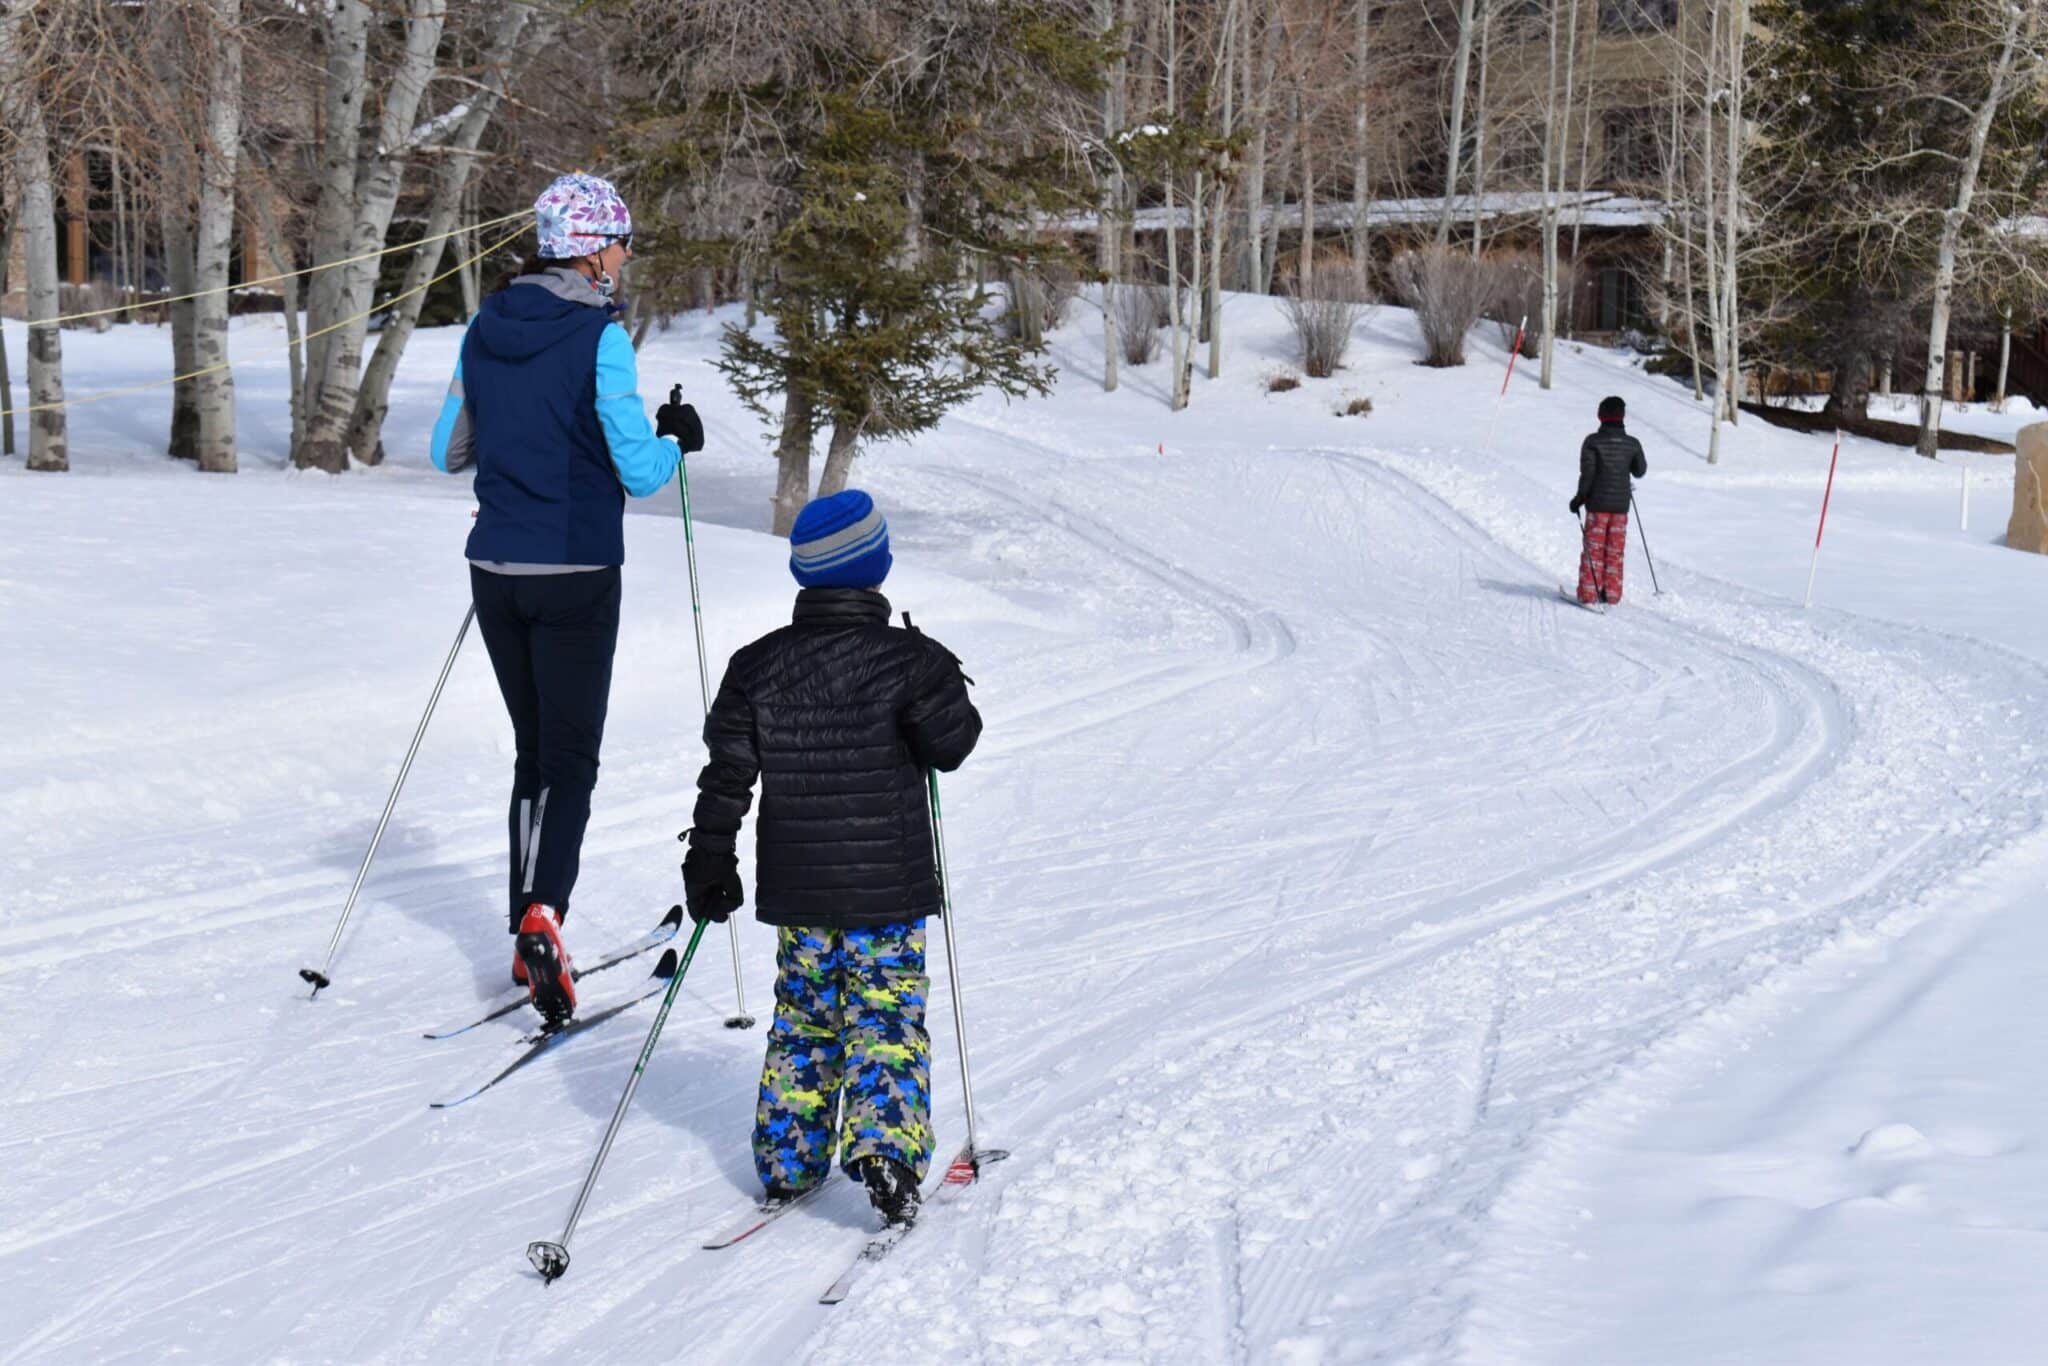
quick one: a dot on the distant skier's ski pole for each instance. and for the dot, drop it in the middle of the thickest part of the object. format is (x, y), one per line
(1644, 537)
(739, 1019)
(1521, 329)
(552, 1259)
(1821, 530)
(318, 976)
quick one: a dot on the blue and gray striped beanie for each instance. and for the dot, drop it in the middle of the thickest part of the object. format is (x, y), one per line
(840, 542)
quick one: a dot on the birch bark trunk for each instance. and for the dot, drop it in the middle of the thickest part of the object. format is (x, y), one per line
(1952, 230)
(1461, 65)
(521, 34)
(23, 110)
(214, 393)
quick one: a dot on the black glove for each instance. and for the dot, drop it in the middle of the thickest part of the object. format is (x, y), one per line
(680, 421)
(1576, 505)
(711, 884)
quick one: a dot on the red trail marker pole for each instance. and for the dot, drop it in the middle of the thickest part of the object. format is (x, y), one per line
(1822, 529)
(1514, 353)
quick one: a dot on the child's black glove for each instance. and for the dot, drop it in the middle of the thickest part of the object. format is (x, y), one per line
(1575, 506)
(711, 884)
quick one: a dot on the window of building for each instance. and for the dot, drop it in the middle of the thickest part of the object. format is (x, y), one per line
(1638, 16)
(1621, 306)
(1632, 148)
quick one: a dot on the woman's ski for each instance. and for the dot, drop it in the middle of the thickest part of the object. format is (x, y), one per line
(517, 997)
(548, 1039)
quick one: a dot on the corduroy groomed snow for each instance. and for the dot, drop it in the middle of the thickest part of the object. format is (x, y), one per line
(840, 542)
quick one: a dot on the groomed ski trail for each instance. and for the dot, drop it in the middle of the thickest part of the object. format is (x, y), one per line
(1319, 859)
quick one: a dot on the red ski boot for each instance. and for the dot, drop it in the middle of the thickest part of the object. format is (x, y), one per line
(549, 976)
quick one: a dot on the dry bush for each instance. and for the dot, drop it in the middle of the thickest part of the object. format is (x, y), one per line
(1448, 291)
(1280, 381)
(1323, 318)
(1358, 407)
(1518, 293)
(1140, 313)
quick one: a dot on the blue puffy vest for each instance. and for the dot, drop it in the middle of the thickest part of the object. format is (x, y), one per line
(545, 485)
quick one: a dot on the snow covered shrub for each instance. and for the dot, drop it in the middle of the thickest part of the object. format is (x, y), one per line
(1322, 318)
(1280, 381)
(1140, 310)
(1448, 291)
(1357, 407)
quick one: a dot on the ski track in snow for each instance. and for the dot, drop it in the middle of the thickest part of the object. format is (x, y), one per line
(1304, 889)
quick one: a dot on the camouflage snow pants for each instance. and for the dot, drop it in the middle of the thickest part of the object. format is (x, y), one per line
(849, 1062)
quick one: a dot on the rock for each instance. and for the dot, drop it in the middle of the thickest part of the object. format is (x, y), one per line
(2028, 529)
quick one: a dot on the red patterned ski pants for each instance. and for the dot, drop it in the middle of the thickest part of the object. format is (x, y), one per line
(1600, 563)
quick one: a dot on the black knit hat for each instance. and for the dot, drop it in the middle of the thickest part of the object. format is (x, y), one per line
(1612, 409)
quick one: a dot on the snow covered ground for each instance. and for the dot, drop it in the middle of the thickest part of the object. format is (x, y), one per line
(1369, 955)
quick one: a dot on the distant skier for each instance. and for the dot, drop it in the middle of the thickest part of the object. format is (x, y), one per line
(839, 714)
(545, 405)
(1607, 460)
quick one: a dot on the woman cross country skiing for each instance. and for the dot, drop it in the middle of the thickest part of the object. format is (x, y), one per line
(545, 406)
(838, 714)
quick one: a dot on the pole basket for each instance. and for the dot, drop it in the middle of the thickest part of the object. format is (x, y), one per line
(739, 1022)
(549, 1259)
(965, 1168)
(317, 978)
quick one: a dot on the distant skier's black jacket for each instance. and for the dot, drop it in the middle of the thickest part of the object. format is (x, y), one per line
(1606, 460)
(839, 714)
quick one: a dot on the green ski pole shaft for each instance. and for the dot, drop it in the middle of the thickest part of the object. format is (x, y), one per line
(552, 1259)
(740, 1019)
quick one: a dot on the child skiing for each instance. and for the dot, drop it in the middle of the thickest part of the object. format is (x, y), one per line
(1607, 460)
(839, 714)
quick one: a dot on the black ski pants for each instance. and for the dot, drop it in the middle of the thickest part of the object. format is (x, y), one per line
(551, 638)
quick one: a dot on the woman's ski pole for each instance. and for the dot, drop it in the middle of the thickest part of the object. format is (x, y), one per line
(551, 1259)
(318, 976)
(740, 1019)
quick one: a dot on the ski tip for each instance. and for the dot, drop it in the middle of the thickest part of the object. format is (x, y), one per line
(666, 968)
(674, 919)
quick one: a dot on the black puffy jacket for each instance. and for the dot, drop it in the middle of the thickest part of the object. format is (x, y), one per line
(839, 714)
(1606, 460)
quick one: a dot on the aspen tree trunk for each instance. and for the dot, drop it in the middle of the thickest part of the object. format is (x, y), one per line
(1258, 109)
(337, 373)
(6, 373)
(1461, 64)
(1181, 342)
(1361, 149)
(1107, 239)
(295, 349)
(22, 107)
(1952, 223)
(1185, 378)
(2004, 359)
(214, 393)
(1731, 212)
(1479, 111)
(522, 32)
(792, 462)
(341, 114)
(1305, 272)
(1219, 217)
